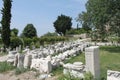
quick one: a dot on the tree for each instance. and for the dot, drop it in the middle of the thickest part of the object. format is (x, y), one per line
(105, 12)
(62, 24)
(29, 31)
(6, 20)
(84, 20)
(14, 32)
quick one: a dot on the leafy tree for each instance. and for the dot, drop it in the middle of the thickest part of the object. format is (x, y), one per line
(6, 20)
(84, 20)
(29, 31)
(62, 24)
(14, 32)
(114, 13)
(104, 12)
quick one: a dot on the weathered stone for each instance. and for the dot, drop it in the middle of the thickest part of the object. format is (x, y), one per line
(20, 60)
(44, 66)
(15, 60)
(27, 61)
(92, 61)
(113, 75)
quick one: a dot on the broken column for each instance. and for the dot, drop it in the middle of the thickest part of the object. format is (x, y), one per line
(92, 61)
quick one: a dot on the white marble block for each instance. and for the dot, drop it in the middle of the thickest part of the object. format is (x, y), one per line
(92, 61)
(113, 75)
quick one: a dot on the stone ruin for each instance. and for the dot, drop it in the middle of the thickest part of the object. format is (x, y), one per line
(46, 59)
(77, 69)
(113, 75)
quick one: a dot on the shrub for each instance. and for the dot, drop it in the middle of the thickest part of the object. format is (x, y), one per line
(27, 41)
(4, 66)
(52, 39)
(75, 31)
(15, 42)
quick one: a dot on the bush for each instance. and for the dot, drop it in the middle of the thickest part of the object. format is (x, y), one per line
(4, 66)
(75, 31)
(15, 42)
(27, 41)
(49, 34)
(52, 39)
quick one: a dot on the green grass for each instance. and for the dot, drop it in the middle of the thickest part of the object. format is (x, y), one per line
(58, 71)
(4, 66)
(79, 57)
(109, 60)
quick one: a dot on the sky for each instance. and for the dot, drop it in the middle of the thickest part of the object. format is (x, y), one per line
(42, 13)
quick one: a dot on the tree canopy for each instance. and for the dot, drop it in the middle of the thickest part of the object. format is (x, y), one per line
(6, 20)
(14, 32)
(29, 31)
(62, 24)
(101, 13)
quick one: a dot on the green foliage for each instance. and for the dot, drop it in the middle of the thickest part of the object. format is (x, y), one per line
(62, 24)
(58, 70)
(15, 42)
(29, 31)
(1, 41)
(88, 76)
(109, 59)
(114, 39)
(102, 16)
(75, 31)
(27, 41)
(84, 19)
(80, 57)
(52, 39)
(14, 32)
(4, 66)
(50, 34)
(20, 70)
(6, 19)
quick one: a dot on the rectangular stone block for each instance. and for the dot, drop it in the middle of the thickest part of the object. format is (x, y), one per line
(92, 61)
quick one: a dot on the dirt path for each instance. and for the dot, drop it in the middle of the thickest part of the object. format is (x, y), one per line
(30, 75)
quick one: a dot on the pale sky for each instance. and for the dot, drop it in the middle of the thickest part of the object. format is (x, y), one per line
(42, 13)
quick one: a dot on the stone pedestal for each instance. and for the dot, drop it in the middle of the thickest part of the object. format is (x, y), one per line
(27, 61)
(92, 61)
